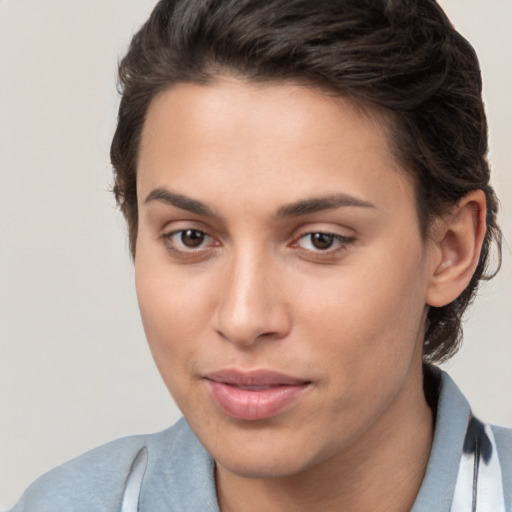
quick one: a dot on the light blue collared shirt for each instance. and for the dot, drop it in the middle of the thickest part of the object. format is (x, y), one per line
(171, 470)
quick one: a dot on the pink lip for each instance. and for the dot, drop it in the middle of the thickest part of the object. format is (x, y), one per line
(253, 395)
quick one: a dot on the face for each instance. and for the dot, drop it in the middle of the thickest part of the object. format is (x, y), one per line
(280, 272)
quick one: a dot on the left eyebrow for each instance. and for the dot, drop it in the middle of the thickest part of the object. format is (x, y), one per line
(318, 204)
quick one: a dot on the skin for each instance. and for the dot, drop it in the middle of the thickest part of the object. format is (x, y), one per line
(256, 293)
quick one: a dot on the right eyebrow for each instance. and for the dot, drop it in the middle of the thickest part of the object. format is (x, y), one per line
(180, 201)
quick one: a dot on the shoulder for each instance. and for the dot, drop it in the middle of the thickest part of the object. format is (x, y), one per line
(503, 438)
(93, 481)
(457, 433)
(453, 403)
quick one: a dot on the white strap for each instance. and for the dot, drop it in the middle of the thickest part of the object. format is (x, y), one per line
(134, 482)
(479, 485)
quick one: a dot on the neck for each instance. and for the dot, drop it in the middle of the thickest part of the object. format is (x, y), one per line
(382, 471)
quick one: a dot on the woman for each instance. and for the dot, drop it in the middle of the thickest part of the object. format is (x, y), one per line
(309, 209)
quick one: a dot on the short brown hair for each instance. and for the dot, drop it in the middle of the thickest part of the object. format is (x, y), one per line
(402, 55)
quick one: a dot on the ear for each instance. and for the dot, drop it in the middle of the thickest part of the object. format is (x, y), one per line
(456, 241)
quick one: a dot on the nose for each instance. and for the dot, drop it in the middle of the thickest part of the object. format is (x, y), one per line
(252, 304)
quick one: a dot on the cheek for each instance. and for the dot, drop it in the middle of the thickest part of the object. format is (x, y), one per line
(369, 313)
(363, 331)
(172, 315)
(167, 294)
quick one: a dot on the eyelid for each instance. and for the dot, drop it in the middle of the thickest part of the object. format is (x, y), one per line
(327, 228)
(184, 230)
(342, 239)
(185, 224)
(182, 251)
(342, 244)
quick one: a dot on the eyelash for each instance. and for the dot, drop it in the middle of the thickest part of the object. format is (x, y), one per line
(170, 244)
(341, 244)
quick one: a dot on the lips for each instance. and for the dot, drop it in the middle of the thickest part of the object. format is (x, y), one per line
(254, 395)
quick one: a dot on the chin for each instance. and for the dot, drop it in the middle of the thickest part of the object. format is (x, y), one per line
(276, 456)
(263, 466)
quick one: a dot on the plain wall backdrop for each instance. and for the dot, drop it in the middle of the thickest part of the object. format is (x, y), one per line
(75, 370)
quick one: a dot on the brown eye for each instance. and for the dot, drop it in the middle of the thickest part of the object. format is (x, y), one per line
(192, 238)
(322, 241)
(188, 241)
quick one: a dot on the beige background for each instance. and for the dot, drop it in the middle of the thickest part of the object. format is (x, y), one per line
(74, 368)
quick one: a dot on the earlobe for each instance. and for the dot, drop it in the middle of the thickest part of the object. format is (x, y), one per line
(457, 242)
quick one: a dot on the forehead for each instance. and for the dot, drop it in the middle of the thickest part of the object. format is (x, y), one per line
(285, 110)
(272, 137)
